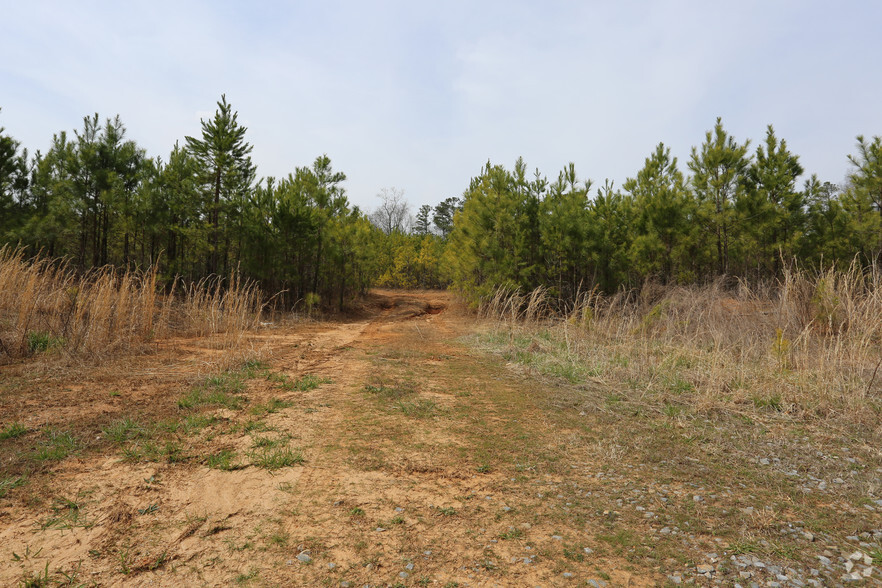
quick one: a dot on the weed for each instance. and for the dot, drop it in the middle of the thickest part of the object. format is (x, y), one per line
(123, 430)
(447, 511)
(38, 342)
(511, 533)
(10, 482)
(484, 468)
(421, 408)
(306, 383)
(12, 430)
(57, 446)
(66, 514)
(356, 512)
(276, 458)
(397, 521)
(271, 407)
(40, 580)
(243, 579)
(222, 460)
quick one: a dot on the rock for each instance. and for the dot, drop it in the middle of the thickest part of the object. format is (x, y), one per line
(567, 575)
(399, 509)
(856, 556)
(704, 569)
(403, 575)
(588, 551)
(557, 537)
(304, 558)
(849, 565)
(380, 529)
(808, 536)
(675, 579)
(332, 565)
(409, 567)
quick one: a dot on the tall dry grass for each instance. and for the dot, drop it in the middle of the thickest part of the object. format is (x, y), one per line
(807, 346)
(46, 306)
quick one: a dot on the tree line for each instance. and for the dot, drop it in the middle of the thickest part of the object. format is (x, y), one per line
(737, 213)
(96, 199)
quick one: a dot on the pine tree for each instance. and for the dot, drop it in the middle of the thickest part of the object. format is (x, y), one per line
(866, 192)
(718, 170)
(226, 173)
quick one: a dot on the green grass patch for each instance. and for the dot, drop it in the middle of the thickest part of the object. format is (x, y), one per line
(306, 383)
(124, 430)
(56, 445)
(40, 341)
(12, 430)
(273, 406)
(9, 483)
(274, 458)
(222, 460)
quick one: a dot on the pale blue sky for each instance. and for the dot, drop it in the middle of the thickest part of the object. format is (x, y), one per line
(420, 95)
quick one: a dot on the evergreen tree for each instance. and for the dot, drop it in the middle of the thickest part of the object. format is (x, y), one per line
(422, 225)
(226, 173)
(771, 212)
(663, 212)
(865, 192)
(443, 214)
(718, 170)
(13, 184)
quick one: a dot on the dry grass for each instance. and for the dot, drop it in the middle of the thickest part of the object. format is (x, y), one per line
(46, 306)
(806, 347)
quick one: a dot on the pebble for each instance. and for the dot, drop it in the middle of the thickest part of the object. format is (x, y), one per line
(304, 558)
(409, 567)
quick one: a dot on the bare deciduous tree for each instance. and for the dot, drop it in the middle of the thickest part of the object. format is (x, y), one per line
(393, 215)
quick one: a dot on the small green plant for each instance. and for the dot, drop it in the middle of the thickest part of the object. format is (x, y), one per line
(276, 457)
(773, 401)
(397, 521)
(38, 341)
(12, 430)
(66, 514)
(356, 512)
(243, 579)
(511, 533)
(123, 430)
(273, 406)
(222, 460)
(446, 511)
(781, 349)
(9, 483)
(484, 468)
(57, 446)
(306, 383)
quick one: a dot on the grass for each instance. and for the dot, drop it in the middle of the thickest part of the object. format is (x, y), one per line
(56, 445)
(274, 458)
(123, 430)
(306, 383)
(12, 430)
(46, 305)
(222, 460)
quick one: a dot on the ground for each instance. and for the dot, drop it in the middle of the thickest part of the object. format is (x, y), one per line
(396, 447)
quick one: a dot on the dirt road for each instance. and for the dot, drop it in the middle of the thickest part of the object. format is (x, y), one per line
(418, 462)
(389, 449)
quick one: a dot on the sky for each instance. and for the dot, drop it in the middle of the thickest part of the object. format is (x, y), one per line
(420, 95)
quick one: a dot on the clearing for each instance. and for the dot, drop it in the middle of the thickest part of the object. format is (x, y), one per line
(400, 447)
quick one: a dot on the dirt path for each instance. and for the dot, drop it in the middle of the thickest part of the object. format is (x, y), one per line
(418, 466)
(387, 450)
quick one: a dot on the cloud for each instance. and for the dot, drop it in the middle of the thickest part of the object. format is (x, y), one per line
(420, 96)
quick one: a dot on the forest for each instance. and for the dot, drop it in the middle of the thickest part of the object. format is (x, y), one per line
(96, 199)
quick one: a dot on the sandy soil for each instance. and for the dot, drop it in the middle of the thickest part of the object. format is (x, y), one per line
(421, 461)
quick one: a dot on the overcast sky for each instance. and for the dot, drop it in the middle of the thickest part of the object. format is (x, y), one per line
(419, 95)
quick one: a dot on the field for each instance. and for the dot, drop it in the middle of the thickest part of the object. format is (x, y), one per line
(415, 443)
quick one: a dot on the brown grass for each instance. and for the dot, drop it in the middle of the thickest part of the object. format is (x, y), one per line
(46, 306)
(806, 347)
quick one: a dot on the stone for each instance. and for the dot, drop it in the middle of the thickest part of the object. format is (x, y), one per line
(304, 558)
(704, 569)
(557, 537)
(409, 567)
